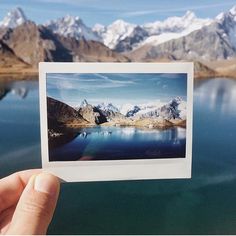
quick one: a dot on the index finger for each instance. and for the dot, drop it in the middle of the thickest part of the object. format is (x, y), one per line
(12, 186)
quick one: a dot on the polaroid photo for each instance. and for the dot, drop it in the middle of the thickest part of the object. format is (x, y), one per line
(116, 121)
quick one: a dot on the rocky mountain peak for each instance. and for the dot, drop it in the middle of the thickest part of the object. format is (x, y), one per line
(115, 32)
(13, 18)
(72, 20)
(72, 26)
(231, 14)
(189, 15)
(84, 103)
(233, 11)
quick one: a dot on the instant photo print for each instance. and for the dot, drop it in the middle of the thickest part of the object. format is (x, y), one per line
(116, 121)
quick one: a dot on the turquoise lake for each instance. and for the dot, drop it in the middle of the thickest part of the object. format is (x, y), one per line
(204, 204)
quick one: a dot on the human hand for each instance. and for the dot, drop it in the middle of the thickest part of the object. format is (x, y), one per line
(27, 202)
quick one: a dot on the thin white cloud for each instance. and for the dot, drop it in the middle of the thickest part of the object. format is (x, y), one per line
(64, 83)
(68, 2)
(180, 9)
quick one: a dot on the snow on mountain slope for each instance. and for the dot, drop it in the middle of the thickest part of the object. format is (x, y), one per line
(176, 108)
(114, 33)
(125, 108)
(107, 107)
(172, 28)
(227, 20)
(70, 26)
(13, 19)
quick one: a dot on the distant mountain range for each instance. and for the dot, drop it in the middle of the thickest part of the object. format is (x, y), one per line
(62, 116)
(101, 113)
(70, 39)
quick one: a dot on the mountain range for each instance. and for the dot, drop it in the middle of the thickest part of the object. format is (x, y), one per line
(153, 115)
(69, 39)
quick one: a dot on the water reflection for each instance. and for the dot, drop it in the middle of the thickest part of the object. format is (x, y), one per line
(129, 133)
(114, 143)
(18, 88)
(219, 94)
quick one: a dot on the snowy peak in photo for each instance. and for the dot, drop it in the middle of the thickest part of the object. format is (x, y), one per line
(84, 103)
(72, 26)
(107, 107)
(13, 18)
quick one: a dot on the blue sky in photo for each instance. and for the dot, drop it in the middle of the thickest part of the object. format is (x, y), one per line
(106, 11)
(117, 89)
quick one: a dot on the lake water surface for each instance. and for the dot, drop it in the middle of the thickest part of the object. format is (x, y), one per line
(121, 143)
(203, 205)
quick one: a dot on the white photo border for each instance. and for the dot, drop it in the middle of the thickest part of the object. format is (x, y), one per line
(83, 171)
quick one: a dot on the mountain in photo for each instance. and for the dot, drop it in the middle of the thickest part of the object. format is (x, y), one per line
(156, 115)
(14, 18)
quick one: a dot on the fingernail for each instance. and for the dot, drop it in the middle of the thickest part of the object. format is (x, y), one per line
(46, 183)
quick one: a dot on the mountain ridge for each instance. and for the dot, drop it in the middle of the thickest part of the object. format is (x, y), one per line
(185, 38)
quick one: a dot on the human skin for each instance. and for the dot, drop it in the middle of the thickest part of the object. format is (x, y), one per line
(27, 202)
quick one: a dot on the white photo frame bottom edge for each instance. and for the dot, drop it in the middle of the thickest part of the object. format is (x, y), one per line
(135, 172)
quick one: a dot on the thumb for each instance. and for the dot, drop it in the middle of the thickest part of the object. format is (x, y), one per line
(36, 206)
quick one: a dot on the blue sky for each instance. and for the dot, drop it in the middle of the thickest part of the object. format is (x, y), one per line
(117, 89)
(106, 11)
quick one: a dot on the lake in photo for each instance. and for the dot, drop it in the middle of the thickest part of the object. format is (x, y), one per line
(112, 143)
(116, 116)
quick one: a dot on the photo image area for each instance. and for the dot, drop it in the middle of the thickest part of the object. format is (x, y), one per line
(116, 116)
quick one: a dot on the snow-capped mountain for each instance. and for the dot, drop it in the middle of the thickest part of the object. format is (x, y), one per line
(172, 110)
(216, 41)
(227, 20)
(107, 107)
(176, 108)
(132, 41)
(114, 33)
(123, 36)
(172, 28)
(176, 24)
(13, 19)
(187, 37)
(72, 26)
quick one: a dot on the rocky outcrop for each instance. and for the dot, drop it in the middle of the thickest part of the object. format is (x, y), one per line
(127, 44)
(62, 115)
(91, 114)
(90, 51)
(154, 123)
(34, 44)
(8, 57)
(203, 71)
